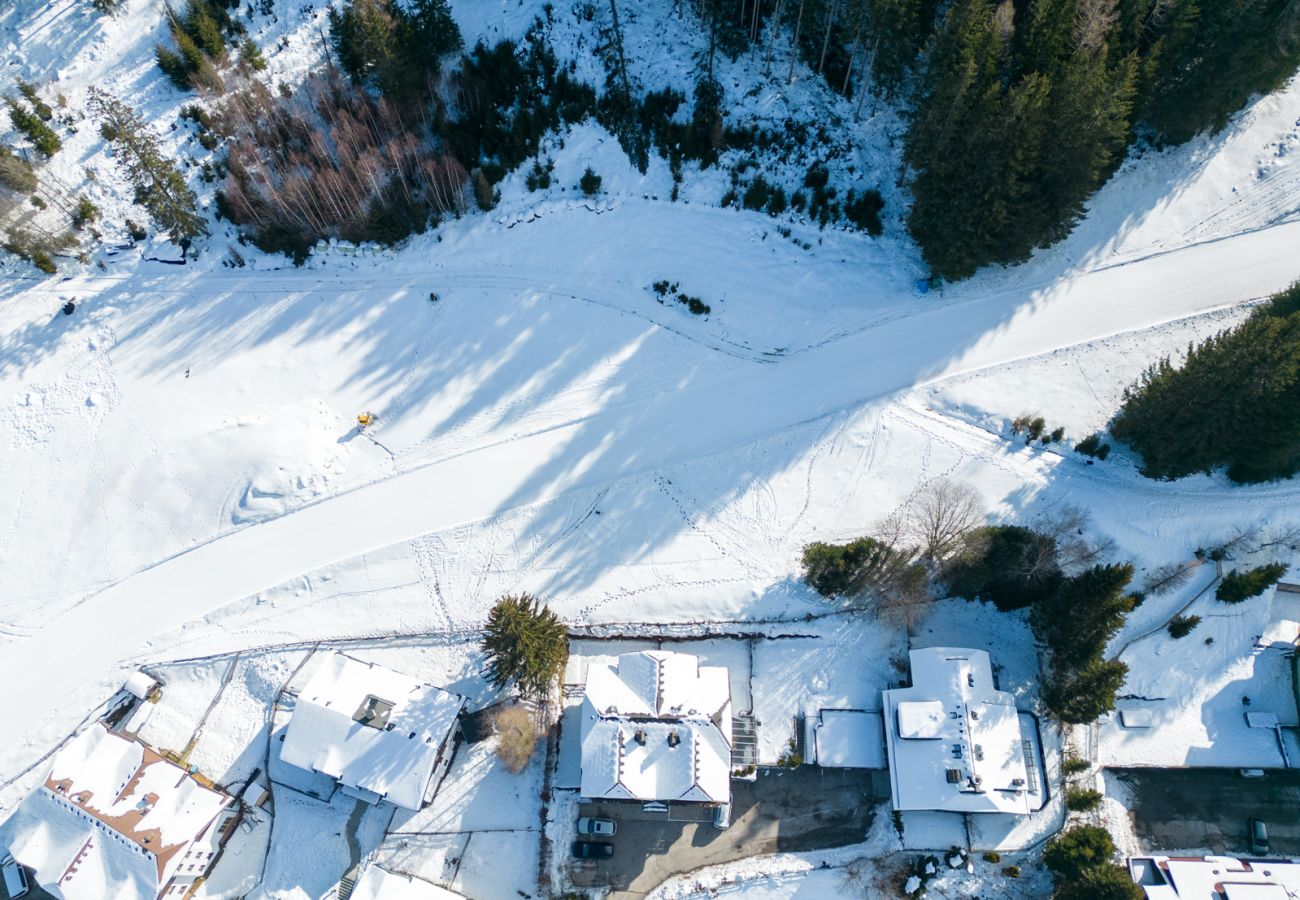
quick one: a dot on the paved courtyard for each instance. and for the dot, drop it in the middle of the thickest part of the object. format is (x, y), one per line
(1191, 809)
(807, 808)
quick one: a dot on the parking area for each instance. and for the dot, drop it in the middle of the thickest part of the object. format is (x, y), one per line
(1190, 809)
(783, 810)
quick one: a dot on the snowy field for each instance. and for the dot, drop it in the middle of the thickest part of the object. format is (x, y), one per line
(181, 479)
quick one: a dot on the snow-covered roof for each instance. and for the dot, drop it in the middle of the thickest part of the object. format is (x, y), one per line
(112, 821)
(656, 725)
(953, 740)
(1216, 878)
(849, 739)
(380, 884)
(371, 729)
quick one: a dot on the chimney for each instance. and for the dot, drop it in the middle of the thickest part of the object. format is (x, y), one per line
(639, 737)
(674, 738)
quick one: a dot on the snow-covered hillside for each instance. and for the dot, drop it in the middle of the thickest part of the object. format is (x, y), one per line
(181, 473)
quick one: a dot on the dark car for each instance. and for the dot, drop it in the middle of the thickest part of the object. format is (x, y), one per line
(1258, 838)
(592, 850)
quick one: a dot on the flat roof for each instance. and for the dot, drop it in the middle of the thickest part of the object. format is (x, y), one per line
(953, 739)
(850, 739)
(1219, 877)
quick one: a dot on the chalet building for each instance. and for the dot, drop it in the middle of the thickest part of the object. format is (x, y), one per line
(375, 734)
(114, 820)
(657, 730)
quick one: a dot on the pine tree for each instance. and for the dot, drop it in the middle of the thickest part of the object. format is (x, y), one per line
(39, 106)
(525, 644)
(159, 186)
(1238, 586)
(43, 138)
(1078, 697)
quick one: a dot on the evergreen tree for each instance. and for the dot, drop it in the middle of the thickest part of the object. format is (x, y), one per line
(1083, 614)
(159, 186)
(43, 138)
(1212, 56)
(1081, 696)
(1234, 402)
(1077, 851)
(525, 643)
(1238, 586)
(1108, 882)
(39, 106)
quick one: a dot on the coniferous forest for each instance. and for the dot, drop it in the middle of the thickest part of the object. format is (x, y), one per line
(1235, 402)
(1024, 108)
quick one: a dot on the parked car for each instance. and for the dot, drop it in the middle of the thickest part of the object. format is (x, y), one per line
(592, 825)
(1258, 838)
(13, 877)
(592, 850)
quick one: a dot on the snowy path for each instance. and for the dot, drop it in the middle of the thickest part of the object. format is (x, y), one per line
(615, 443)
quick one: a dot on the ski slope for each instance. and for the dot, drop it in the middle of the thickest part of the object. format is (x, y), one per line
(735, 408)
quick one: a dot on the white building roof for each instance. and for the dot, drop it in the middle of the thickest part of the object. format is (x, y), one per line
(849, 739)
(371, 729)
(112, 821)
(1216, 878)
(380, 884)
(954, 741)
(656, 725)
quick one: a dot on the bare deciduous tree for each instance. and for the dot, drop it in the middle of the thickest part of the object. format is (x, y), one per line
(1167, 578)
(944, 512)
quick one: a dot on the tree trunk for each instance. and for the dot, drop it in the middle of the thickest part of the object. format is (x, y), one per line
(826, 38)
(794, 54)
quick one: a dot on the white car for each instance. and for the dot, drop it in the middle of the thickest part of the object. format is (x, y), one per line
(589, 825)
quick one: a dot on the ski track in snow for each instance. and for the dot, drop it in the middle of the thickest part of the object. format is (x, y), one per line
(491, 479)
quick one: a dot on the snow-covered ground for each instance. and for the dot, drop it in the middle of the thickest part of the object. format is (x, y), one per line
(181, 476)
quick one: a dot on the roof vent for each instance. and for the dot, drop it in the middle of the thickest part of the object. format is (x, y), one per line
(970, 679)
(674, 738)
(640, 736)
(953, 776)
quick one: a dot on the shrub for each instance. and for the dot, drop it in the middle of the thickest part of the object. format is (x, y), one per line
(590, 182)
(517, 736)
(37, 250)
(1082, 799)
(525, 643)
(834, 570)
(1107, 882)
(1075, 765)
(251, 55)
(864, 211)
(1077, 850)
(776, 203)
(84, 213)
(1238, 586)
(15, 172)
(1035, 429)
(136, 231)
(992, 856)
(1181, 626)
(757, 194)
(1011, 871)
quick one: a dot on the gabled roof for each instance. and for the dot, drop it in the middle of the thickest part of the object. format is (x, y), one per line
(953, 740)
(112, 820)
(371, 728)
(657, 726)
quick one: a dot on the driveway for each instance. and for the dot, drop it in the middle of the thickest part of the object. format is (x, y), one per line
(784, 810)
(1189, 809)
